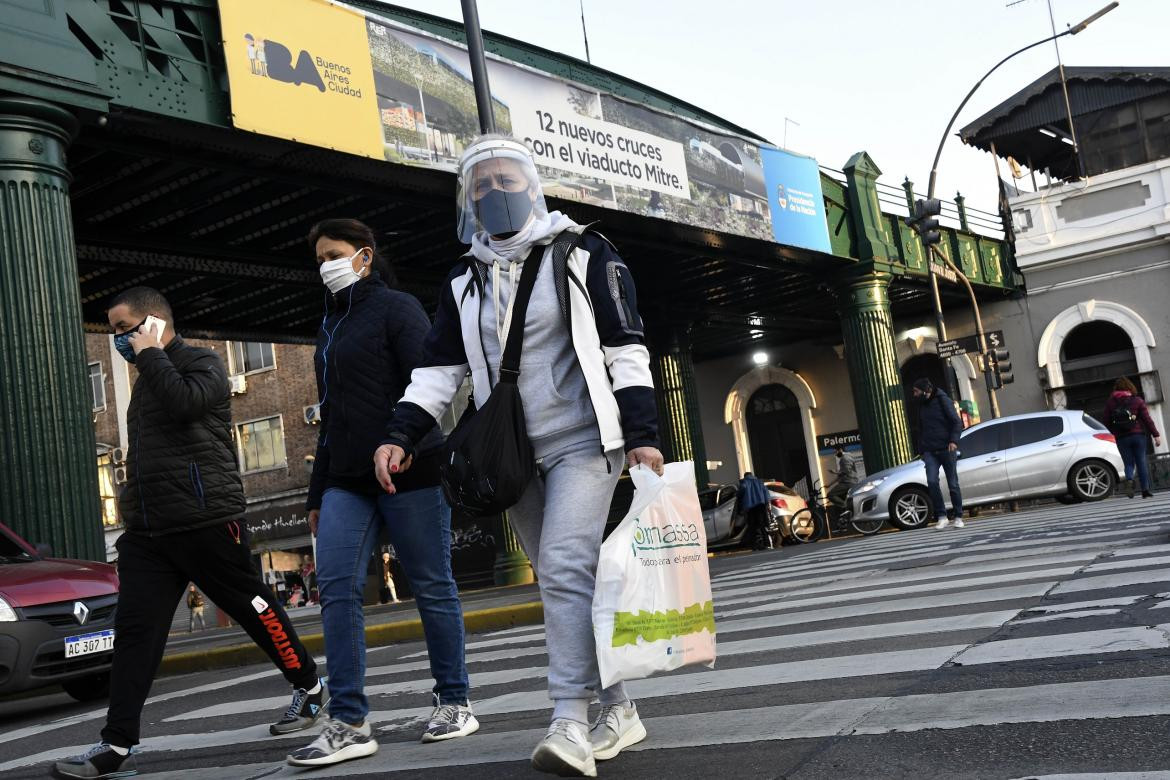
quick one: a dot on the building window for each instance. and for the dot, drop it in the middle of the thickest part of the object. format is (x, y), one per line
(97, 386)
(106, 491)
(261, 444)
(248, 357)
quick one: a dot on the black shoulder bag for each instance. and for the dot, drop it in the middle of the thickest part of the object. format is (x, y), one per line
(489, 460)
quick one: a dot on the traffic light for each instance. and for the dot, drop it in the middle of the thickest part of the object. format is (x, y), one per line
(924, 221)
(1001, 367)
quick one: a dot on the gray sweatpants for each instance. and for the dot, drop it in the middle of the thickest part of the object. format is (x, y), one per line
(560, 520)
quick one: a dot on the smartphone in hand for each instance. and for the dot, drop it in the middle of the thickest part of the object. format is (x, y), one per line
(155, 324)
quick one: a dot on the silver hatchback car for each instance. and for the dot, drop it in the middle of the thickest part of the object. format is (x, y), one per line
(1066, 454)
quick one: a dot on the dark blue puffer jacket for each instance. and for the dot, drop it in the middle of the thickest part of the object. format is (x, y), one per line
(938, 423)
(369, 343)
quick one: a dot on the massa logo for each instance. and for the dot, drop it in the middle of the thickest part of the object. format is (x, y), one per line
(652, 538)
(272, 59)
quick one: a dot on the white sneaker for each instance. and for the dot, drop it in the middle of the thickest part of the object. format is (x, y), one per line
(338, 742)
(565, 751)
(959, 523)
(943, 522)
(616, 728)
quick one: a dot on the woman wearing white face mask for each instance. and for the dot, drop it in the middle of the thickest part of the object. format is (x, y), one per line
(369, 343)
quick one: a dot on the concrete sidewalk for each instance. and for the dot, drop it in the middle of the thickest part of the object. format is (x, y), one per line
(488, 609)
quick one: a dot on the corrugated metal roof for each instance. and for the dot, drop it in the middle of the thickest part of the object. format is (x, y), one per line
(1041, 103)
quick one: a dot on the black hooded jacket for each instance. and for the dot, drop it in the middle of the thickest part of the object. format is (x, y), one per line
(181, 469)
(369, 343)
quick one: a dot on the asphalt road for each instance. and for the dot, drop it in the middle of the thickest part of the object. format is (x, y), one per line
(1031, 645)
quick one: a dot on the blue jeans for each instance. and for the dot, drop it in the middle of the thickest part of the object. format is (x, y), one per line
(419, 527)
(1132, 447)
(946, 459)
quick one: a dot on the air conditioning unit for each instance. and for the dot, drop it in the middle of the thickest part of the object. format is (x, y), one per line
(118, 455)
(313, 414)
(120, 475)
(239, 383)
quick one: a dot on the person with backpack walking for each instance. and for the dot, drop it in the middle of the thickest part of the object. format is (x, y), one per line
(939, 427)
(575, 354)
(371, 339)
(1128, 419)
(195, 607)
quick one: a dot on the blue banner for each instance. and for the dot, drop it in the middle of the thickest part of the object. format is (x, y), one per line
(794, 194)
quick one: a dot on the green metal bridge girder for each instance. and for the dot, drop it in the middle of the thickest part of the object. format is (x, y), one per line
(166, 58)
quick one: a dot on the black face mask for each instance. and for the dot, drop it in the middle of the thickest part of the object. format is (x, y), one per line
(502, 213)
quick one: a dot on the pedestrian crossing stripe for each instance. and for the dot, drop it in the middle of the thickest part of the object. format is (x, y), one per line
(911, 605)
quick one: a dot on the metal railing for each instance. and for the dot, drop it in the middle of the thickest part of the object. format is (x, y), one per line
(893, 201)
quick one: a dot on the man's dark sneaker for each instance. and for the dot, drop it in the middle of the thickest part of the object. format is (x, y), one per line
(338, 742)
(449, 721)
(305, 710)
(100, 762)
(1147, 494)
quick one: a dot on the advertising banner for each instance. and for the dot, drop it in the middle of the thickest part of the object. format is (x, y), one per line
(797, 205)
(325, 74)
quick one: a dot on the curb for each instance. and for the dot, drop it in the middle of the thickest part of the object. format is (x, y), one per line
(492, 619)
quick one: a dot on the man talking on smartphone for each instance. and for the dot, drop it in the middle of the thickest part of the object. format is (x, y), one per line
(182, 506)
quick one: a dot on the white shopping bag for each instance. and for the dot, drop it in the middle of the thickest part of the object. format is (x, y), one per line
(652, 609)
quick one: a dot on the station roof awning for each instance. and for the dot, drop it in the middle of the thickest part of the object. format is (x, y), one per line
(1029, 126)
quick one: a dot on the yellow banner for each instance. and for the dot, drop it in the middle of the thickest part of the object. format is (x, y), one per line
(302, 71)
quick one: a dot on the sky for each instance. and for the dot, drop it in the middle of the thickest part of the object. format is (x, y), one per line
(843, 76)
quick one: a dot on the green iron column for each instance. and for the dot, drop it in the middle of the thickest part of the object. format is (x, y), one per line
(48, 477)
(867, 326)
(680, 426)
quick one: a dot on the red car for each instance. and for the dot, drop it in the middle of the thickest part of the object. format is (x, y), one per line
(56, 621)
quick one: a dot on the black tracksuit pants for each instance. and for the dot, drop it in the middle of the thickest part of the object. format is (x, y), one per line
(153, 573)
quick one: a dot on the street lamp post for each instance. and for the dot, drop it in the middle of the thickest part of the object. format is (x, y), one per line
(512, 566)
(979, 332)
(479, 75)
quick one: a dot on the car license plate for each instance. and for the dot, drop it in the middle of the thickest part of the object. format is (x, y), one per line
(89, 643)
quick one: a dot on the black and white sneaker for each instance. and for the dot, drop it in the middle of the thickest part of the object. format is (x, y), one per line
(305, 710)
(449, 721)
(100, 762)
(338, 742)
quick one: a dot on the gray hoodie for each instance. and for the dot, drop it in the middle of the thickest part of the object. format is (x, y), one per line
(557, 409)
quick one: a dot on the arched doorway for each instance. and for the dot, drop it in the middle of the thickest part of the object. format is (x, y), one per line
(1085, 389)
(1093, 356)
(775, 429)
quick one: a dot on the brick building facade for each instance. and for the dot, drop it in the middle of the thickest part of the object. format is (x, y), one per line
(273, 395)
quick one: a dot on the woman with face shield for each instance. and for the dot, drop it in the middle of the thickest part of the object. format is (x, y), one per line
(588, 405)
(370, 340)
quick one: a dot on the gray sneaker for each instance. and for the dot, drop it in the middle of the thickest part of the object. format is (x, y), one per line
(565, 751)
(616, 728)
(338, 742)
(449, 721)
(100, 762)
(305, 710)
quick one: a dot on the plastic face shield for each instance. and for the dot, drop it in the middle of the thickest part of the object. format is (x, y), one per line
(499, 189)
